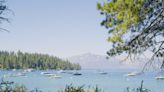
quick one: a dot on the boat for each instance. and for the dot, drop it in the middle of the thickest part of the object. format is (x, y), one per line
(134, 73)
(61, 71)
(21, 74)
(18, 74)
(28, 70)
(77, 74)
(103, 73)
(159, 77)
(13, 69)
(44, 73)
(54, 76)
(51, 76)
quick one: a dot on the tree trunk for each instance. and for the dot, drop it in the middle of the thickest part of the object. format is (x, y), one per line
(163, 5)
(162, 66)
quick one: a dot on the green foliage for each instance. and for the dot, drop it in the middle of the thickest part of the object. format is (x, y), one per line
(139, 89)
(19, 60)
(71, 88)
(121, 15)
(3, 9)
(7, 86)
(134, 27)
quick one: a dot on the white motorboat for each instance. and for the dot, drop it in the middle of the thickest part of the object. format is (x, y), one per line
(159, 77)
(134, 73)
(61, 71)
(51, 76)
(102, 72)
(44, 73)
(54, 77)
(29, 70)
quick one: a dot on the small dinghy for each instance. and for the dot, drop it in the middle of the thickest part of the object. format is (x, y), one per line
(103, 73)
(77, 74)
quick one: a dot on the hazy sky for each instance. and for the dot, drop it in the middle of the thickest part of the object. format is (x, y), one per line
(62, 28)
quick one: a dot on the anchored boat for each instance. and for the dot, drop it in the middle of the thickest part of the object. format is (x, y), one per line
(134, 73)
(77, 74)
(50, 75)
(159, 77)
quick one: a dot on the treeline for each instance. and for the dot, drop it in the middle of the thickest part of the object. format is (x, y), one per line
(20, 60)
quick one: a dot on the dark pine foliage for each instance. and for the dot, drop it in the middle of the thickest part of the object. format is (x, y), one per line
(20, 60)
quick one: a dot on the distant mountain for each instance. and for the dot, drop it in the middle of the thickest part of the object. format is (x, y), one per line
(92, 61)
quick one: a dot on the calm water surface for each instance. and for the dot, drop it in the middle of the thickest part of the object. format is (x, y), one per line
(111, 82)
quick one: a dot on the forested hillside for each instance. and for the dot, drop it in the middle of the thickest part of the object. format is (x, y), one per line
(20, 60)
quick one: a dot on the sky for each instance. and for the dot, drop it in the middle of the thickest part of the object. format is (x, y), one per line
(62, 28)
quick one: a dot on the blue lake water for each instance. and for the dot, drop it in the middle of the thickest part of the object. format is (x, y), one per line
(111, 82)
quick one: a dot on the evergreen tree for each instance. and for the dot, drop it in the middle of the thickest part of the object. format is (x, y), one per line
(20, 60)
(134, 27)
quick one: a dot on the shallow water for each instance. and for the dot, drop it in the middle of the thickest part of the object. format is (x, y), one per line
(111, 82)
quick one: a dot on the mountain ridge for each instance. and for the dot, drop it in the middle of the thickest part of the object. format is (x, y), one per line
(94, 61)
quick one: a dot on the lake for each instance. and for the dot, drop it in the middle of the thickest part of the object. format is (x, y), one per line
(111, 82)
